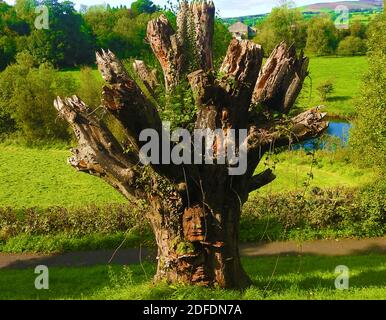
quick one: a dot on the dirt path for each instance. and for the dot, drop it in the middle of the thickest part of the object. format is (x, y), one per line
(135, 256)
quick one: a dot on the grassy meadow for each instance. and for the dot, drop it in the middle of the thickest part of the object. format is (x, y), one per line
(42, 178)
(275, 277)
(293, 168)
(345, 74)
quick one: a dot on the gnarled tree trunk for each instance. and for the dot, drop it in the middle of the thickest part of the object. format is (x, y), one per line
(195, 209)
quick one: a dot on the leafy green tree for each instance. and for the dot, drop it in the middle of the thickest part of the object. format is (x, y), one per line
(101, 21)
(25, 10)
(368, 138)
(67, 42)
(325, 89)
(26, 95)
(351, 46)
(7, 50)
(143, 6)
(322, 36)
(11, 30)
(358, 29)
(118, 30)
(283, 24)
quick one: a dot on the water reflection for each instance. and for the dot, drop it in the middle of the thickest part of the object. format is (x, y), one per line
(337, 133)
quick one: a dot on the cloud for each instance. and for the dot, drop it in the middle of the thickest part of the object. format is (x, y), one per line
(245, 7)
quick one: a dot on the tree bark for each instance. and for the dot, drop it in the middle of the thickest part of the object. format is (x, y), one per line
(149, 78)
(194, 208)
(281, 79)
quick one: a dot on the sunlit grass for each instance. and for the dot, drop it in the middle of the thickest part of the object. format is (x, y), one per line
(307, 277)
(42, 178)
(292, 172)
(345, 73)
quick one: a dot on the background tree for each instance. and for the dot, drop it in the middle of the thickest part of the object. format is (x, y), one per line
(195, 209)
(25, 94)
(283, 24)
(321, 36)
(12, 30)
(358, 29)
(143, 6)
(67, 42)
(351, 46)
(368, 137)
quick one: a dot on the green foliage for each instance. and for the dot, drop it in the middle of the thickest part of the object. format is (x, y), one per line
(58, 229)
(283, 24)
(185, 247)
(72, 37)
(120, 31)
(179, 107)
(143, 6)
(358, 29)
(7, 124)
(368, 138)
(328, 213)
(78, 221)
(59, 243)
(67, 42)
(11, 30)
(90, 87)
(352, 46)
(221, 41)
(321, 36)
(7, 50)
(27, 93)
(325, 89)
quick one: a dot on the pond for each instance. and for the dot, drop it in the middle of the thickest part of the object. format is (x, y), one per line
(338, 132)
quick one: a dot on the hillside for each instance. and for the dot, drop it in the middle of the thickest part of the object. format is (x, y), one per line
(363, 5)
(360, 9)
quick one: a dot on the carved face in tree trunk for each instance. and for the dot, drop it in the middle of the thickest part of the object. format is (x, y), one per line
(194, 224)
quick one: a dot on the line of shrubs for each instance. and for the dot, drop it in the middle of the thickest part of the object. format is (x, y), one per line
(330, 213)
(77, 222)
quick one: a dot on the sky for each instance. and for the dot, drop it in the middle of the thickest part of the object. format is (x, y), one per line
(226, 8)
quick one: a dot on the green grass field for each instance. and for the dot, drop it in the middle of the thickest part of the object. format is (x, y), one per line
(293, 168)
(345, 73)
(307, 277)
(42, 178)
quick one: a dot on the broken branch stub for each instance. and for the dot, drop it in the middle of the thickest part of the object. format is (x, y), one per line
(195, 30)
(281, 79)
(166, 48)
(124, 99)
(149, 78)
(98, 152)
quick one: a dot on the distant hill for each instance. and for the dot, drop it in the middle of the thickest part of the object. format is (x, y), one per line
(363, 6)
